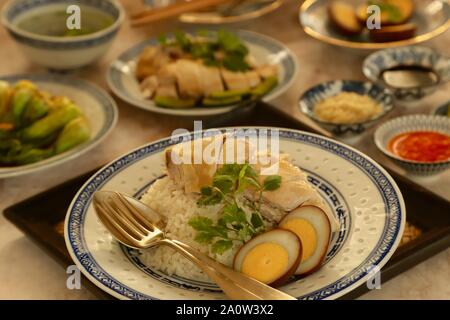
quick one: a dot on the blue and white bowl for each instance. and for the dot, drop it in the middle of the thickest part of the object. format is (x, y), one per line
(382, 60)
(411, 123)
(329, 89)
(61, 53)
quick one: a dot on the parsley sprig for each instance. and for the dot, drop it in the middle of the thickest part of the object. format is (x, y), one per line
(228, 183)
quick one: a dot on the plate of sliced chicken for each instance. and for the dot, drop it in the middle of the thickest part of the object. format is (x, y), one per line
(296, 211)
(203, 73)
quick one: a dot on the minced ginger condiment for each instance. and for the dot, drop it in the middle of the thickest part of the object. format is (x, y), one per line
(347, 108)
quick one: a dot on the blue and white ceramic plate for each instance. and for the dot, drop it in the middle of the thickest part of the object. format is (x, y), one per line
(98, 106)
(382, 60)
(411, 123)
(362, 195)
(122, 81)
(329, 89)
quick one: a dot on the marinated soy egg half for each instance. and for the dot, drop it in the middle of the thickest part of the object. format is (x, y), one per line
(271, 257)
(312, 226)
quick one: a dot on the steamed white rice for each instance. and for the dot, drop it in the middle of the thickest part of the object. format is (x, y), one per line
(171, 202)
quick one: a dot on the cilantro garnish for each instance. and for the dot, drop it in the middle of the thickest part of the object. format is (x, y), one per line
(221, 49)
(228, 183)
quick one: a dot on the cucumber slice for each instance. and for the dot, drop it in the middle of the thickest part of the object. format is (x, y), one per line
(229, 94)
(221, 102)
(175, 103)
(264, 87)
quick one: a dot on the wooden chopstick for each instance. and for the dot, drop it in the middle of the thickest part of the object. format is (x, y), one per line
(152, 15)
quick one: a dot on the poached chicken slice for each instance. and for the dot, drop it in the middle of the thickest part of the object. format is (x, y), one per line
(151, 61)
(195, 79)
(187, 166)
(210, 79)
(294, 191)
(235, 80)
(149, 86)
(167, 82)
(267, 71)
(188, 78)
(253, 78)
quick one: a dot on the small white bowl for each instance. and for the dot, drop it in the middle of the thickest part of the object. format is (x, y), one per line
(411, 123)
(61, 53)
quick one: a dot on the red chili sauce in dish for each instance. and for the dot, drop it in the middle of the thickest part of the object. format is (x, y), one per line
(422, 146)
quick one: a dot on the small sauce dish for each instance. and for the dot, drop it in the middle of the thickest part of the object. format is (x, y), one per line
(410, 72)
(419, 144)
(314, 96)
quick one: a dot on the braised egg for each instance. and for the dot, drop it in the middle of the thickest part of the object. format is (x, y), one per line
(312, 226)
(271, 257)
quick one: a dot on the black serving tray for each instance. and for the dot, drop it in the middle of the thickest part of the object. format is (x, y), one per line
(41, 216)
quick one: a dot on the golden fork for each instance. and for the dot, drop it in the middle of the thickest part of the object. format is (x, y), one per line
(137, 226)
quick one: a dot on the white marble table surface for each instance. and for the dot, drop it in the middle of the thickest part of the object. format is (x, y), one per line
(27, 272)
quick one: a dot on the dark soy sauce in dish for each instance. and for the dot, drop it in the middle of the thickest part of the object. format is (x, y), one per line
(409, 76)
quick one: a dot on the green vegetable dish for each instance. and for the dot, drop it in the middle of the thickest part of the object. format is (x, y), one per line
(210, 69)
(35, 125)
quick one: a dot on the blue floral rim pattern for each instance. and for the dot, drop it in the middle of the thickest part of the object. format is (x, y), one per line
(394, 221)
